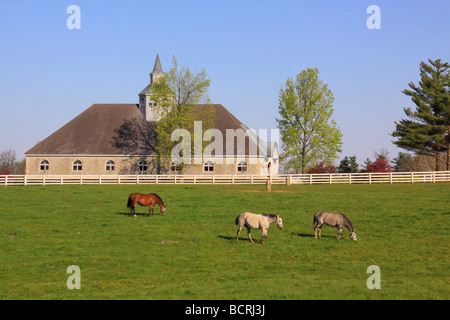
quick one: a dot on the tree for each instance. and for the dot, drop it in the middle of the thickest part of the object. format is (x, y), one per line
(7, 160)
(380, 165)
(137, 137)
(176, 96)
(427, 129)
(322, 168)
(348, 165)
(307, 131)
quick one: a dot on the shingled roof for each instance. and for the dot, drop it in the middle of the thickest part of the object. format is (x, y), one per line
(91, 132)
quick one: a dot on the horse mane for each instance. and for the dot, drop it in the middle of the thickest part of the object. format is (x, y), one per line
(271, 216)
(348, 224)
(159, 198)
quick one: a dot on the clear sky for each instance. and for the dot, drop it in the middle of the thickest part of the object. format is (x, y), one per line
(50, 74)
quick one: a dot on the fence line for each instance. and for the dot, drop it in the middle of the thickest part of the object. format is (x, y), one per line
(323, 178)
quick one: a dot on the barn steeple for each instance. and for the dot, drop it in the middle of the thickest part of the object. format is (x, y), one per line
(146, 104)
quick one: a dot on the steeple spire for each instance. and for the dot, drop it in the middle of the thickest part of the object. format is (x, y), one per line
(146, 104)
(157, 67)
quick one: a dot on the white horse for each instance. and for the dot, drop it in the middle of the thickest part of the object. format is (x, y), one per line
(257, 221)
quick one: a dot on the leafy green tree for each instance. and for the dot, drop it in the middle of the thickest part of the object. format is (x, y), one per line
(308, 133)
(427, 129)
(348, 165)
(177, 96)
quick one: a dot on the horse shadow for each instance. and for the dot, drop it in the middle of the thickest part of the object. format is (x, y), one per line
(137, 214)
(233, 238)
(303, 235)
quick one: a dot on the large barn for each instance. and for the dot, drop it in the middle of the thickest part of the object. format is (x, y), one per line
(84, 145)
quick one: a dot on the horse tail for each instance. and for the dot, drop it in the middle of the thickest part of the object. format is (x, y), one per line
(314, 221)
(236, 222)
(129, 203)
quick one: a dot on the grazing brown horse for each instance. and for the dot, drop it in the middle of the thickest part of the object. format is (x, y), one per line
(145, 200)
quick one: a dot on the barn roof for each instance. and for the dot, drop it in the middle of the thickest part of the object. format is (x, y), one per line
(92, 132)
(88, 133)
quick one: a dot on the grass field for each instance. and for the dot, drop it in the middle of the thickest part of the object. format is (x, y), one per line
(191, 252)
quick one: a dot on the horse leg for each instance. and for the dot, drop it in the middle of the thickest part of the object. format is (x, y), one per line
(133, 209)
(339, 233)
(318, 227)
(238, 232)
(249, 235)
(150, 209)
(264, 235)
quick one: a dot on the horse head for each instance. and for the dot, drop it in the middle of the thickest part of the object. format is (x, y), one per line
(353, 235)
(163, 210)
(279, 222)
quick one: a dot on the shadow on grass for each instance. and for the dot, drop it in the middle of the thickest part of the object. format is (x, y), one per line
(234, 238)
(138, 214)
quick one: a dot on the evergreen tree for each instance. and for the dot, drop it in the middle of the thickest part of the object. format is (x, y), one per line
(348, 165)
(427, 129)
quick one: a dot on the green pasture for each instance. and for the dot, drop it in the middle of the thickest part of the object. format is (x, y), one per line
(191, 252)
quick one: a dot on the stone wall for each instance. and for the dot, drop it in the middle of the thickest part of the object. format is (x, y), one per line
(96, 165)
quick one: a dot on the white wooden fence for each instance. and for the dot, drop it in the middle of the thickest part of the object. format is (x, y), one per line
(326, 178)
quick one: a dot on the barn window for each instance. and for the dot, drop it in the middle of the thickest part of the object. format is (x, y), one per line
(110, 165)
(44, 165)
(175, 167)
(77, 165)
(209, 166)
(242, 166)
(143, 166)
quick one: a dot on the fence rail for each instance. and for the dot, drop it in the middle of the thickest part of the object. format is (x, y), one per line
(326, 178)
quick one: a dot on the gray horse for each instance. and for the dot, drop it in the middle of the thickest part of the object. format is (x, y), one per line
(257, 221)
(337, 220)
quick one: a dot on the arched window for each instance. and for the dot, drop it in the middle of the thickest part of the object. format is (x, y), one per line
(143, 166)
(209, 166)
(77, 165)
(44, 165)
(242, 166)
(175, 166)
(110, 165)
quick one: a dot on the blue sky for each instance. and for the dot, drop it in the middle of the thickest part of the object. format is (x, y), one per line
(50, 74)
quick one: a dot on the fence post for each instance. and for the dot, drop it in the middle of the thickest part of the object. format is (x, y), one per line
(350, 178)
(331, 177)
(370, 178)
(412, 177)
(390, 177)
(434, 176)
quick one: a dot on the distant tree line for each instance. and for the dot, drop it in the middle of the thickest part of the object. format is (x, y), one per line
(9, 163)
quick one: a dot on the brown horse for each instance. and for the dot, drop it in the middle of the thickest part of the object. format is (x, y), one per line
(145, 200)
